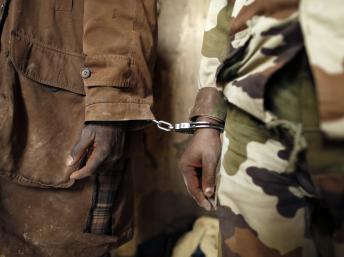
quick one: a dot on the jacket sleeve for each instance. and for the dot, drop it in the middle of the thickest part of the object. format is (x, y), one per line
(265, 36)
(119, 45)
(210, 102)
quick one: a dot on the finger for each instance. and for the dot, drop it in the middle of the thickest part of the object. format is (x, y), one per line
(96, 159)
(208, 177)
(193, 186)
(79, 149)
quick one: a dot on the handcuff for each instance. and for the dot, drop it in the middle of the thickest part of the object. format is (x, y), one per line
(187, 127)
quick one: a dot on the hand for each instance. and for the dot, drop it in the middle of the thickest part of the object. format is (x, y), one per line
(198, 164)
(99, 143)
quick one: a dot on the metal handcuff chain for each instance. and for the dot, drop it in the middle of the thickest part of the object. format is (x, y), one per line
(187, 127)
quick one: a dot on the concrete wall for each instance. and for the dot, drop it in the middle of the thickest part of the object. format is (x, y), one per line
(161, 194)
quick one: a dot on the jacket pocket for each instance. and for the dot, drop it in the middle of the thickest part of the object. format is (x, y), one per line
(47, 65)
(46, 122)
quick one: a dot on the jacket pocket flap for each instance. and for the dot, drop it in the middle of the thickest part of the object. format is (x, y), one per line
(47, 65)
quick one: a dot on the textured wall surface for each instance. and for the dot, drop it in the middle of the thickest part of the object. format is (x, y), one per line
(161, 195)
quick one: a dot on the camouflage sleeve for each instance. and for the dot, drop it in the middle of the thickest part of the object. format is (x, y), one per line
(210, 102)
(264, 35)
(322, 23)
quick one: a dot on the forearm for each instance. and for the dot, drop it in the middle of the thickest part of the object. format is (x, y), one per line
(210, 101)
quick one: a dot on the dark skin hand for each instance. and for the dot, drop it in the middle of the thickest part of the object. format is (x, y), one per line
(100, 143)
(198, 164)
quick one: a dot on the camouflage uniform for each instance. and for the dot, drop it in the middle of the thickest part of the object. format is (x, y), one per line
(280, 186)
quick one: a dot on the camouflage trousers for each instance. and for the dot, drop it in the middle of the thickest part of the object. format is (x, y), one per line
(281, 186)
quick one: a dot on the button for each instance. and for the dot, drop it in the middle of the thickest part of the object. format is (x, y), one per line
(86, 73)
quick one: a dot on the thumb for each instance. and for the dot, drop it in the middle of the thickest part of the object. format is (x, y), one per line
(79, 149)
(209, 176)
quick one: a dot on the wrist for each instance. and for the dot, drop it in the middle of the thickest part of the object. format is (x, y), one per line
(208, 119)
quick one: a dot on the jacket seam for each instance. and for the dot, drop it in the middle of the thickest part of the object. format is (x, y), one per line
(138, 103)
(34, 182)
(36, 78)
(125, 84)
(132, 41)
(46, 46)
(110, 56)
(71, 53)
(116, 82)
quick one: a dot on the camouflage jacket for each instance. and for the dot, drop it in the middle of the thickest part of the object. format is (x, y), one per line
(248, 41)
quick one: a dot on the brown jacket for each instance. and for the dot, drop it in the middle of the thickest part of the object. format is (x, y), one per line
(64, 62)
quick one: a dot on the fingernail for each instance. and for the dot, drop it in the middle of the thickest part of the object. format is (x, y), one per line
(209, 191)
(69, 161)
(206, 205)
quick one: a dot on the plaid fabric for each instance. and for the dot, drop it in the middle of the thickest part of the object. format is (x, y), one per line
(105, 190)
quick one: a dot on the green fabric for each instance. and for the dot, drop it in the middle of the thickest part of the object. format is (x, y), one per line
(216, 40)
(241, 129)
(291, 96)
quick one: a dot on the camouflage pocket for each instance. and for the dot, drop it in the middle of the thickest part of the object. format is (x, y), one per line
(241, 130)
(291, 96)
